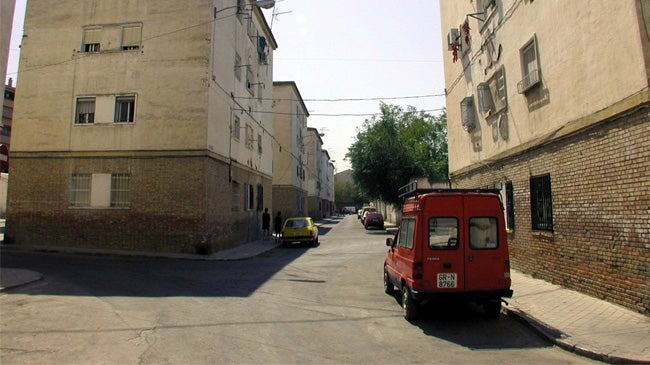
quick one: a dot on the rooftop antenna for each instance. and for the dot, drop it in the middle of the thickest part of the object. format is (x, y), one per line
(275, 14)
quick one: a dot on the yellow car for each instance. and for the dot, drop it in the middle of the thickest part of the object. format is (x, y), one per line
(299, 230)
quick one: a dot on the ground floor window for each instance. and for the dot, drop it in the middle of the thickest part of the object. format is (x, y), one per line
(541, 203)
(80, 190)
(510, 206)
(100, 190)
(236, 196)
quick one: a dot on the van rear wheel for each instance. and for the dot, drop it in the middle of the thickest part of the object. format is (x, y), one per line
(492, 308)
(409, 304)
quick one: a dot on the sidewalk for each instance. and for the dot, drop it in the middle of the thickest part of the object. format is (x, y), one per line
(573, 321)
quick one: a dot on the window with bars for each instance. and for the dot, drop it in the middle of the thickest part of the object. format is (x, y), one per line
(85, 111)
(131, 37)
(250, 197)
(235, 196)
(510, 206)
(260, 197)
(120, 190)
(100, 190)
(80, 190)
(124, 109)
(91, 40)
(541, 203)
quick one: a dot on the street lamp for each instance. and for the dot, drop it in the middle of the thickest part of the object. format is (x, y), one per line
(264, 4)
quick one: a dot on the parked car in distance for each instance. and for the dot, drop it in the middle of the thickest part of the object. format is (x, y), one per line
(374, 219)
(299, 230)
(451, 244)
(365, 210)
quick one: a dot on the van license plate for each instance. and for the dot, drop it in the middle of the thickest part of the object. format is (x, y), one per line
(447, 280)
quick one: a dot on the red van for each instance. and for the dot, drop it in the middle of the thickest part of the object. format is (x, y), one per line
(450, 244)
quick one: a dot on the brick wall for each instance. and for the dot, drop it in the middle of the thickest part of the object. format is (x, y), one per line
(600, 181)
(177, 205)
(285, 201)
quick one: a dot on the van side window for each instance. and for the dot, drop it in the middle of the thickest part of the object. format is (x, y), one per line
(483, 233)
(406, 233)
(443, 233)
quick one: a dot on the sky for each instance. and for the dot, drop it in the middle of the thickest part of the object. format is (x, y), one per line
(356, 53)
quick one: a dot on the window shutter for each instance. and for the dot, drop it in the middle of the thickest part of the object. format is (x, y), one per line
(131, 36)
(92, 36)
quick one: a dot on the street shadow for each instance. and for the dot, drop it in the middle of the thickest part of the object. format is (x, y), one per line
(322, 231)
(112, 276)
(466, 324)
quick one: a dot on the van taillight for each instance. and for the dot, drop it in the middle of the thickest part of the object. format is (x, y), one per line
(417, 270)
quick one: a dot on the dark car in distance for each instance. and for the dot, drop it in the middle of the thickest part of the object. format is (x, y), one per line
(374, 219)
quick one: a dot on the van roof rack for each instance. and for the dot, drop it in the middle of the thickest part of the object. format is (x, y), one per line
(411, 189)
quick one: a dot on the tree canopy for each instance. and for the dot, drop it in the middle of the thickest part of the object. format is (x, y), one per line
(396, 146)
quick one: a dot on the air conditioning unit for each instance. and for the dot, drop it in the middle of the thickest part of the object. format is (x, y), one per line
(452, 37)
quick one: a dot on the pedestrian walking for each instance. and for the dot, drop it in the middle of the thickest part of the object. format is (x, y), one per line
(278, 225)
(266, 223)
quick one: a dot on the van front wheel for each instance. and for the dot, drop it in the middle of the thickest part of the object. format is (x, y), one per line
(409, 304)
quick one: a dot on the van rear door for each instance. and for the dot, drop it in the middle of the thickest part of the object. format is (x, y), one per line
(443, 252)
(486, 255)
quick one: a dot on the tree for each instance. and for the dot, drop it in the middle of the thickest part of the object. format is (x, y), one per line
(395, 147)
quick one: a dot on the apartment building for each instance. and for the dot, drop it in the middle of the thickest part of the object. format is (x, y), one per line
(327, 195)
(549, 102)
(290, 174)
(5, 127)
(315, 172)
(142, 125)
(6, 23)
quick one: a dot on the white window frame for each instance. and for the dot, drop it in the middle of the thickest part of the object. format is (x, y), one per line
(530, 70)
(83, 114)
(121, 102)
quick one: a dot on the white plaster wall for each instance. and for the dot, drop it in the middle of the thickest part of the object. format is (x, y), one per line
(590, 55)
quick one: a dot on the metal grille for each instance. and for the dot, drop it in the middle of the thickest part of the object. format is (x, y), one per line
(510, 205)
(541, 203)
(120, 190)
(80, 190)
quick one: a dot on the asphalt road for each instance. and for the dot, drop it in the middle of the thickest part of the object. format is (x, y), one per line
(291, 305)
